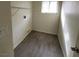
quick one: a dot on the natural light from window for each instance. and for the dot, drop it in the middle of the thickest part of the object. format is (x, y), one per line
(49, 7)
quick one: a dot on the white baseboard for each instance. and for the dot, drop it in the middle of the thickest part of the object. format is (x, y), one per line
(22, 39)
(45, 32)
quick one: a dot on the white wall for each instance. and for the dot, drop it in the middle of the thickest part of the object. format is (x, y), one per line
(68, 30)
(6, 46)
(47, 23)
(20, 26)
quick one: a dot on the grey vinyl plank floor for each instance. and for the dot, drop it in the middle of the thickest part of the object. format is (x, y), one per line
(38, 44)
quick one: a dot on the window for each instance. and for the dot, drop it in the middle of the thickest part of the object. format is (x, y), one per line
(49, 7)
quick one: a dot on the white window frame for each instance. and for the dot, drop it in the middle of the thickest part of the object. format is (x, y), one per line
(52, 7)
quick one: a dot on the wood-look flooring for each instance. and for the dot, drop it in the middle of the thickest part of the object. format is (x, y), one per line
(38, 44)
